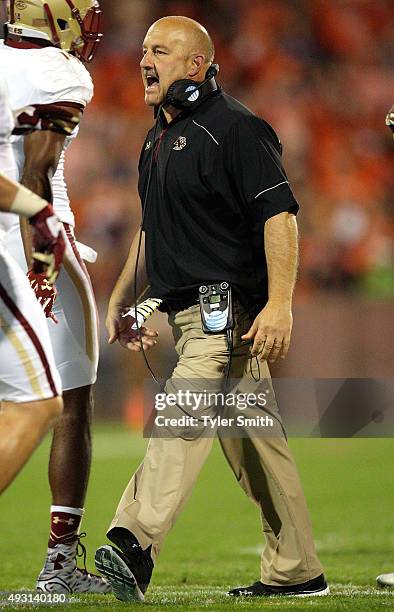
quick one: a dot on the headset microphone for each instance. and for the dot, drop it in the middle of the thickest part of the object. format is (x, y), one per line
(184, 93)
(212, 71)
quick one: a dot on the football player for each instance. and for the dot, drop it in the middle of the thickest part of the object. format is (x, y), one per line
(30, 393)
(42, 57)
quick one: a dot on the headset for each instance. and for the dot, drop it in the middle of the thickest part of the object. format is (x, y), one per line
(184, 93)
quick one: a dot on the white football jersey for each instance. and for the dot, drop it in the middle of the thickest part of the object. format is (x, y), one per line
(45, 76)
(7, 160)
(6, 117)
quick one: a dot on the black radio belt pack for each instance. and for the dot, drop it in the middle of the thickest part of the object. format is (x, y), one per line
(216, 307)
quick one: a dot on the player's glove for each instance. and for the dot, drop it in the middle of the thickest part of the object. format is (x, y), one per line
(48, 244)
(45, 293)
(138, 315)
(390, 119)
(44, 117)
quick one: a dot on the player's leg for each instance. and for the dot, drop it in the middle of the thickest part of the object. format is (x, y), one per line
(29, 383)
(22, 427)
(75, 345)
(71, 450)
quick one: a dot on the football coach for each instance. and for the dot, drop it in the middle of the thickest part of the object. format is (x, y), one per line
(217, 206)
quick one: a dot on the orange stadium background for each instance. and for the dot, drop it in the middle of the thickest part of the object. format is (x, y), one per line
(319, 71)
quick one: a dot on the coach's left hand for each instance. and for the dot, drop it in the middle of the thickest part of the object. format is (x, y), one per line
(271, 332)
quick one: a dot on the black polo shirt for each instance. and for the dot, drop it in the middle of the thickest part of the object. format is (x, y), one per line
(217, 176)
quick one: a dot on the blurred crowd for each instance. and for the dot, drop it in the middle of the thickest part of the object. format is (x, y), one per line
(318, 70)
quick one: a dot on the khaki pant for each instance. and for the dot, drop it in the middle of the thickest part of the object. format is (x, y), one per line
(262, 465)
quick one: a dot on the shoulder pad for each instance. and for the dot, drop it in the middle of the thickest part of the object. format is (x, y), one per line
(58, 76)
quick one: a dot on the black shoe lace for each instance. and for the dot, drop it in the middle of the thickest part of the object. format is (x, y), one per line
(81, 551)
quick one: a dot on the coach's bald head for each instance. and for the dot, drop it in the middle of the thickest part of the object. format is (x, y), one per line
(174, 48)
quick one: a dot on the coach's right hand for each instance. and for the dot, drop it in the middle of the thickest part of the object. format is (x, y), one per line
(119, 328)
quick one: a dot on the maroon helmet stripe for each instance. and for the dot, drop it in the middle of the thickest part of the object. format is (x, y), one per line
(56, 40)
(12, 11)
(90, 31)
(71, 5)
(32, 335)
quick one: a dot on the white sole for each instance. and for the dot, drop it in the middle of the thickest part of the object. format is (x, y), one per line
(321, 593)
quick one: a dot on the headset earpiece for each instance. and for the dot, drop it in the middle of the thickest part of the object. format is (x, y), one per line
(177, 93)
(184, 93)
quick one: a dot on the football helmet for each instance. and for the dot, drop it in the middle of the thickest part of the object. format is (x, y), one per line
(71, 25)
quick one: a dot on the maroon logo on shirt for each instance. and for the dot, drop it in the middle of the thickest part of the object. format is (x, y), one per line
(180, 143)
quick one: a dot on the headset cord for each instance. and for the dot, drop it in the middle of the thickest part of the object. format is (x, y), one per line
(145, 206)
(258, 380)
(251, 368)
(144, 209)
(230, 346)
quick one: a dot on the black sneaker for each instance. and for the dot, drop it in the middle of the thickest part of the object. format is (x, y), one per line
(317, 586)
(129, 570)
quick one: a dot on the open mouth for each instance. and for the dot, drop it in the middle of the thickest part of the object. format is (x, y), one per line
(151, 82)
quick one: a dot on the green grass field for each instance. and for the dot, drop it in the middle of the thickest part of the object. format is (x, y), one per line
(216, 543)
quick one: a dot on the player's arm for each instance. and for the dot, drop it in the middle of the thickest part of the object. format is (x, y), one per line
(123, 297)
(8, 192)
(271, 330)
(42, 152)
(48, 241)
(45, 117)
